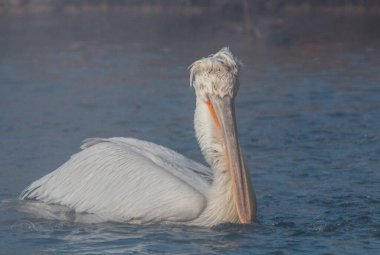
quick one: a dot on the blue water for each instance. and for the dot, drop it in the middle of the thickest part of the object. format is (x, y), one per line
(308, 117)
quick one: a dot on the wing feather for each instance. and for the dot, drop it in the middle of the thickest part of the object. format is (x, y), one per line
(126, 179)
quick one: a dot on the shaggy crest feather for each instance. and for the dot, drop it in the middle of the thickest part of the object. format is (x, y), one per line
(214, 74)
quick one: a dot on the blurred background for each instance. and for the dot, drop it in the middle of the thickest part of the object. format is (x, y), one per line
(308, 113)
(324, 23)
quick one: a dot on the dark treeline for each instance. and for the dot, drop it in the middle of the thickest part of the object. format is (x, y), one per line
(194, 6)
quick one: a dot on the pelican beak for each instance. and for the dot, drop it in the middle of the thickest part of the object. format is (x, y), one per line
(241, 182)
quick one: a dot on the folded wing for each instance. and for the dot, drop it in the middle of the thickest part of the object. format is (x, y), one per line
(124, 179)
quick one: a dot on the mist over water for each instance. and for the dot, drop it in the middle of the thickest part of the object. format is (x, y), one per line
(308, 114)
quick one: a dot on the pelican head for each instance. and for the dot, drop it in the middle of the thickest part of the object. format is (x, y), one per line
(216, 83)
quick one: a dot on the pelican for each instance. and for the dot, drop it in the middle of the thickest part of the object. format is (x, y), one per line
(129, 180)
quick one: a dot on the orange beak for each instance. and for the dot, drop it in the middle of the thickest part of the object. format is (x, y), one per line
(223, 113)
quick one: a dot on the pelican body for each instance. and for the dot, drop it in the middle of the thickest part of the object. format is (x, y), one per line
(129, 180)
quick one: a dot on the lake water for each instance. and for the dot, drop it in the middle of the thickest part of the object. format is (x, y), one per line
(308, 116)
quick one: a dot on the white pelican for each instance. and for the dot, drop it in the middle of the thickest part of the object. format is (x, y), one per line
(129, 180)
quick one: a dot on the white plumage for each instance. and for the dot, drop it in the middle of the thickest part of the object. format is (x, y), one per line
(129, 180)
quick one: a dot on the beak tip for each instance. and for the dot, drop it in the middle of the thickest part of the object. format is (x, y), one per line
(246, 222)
